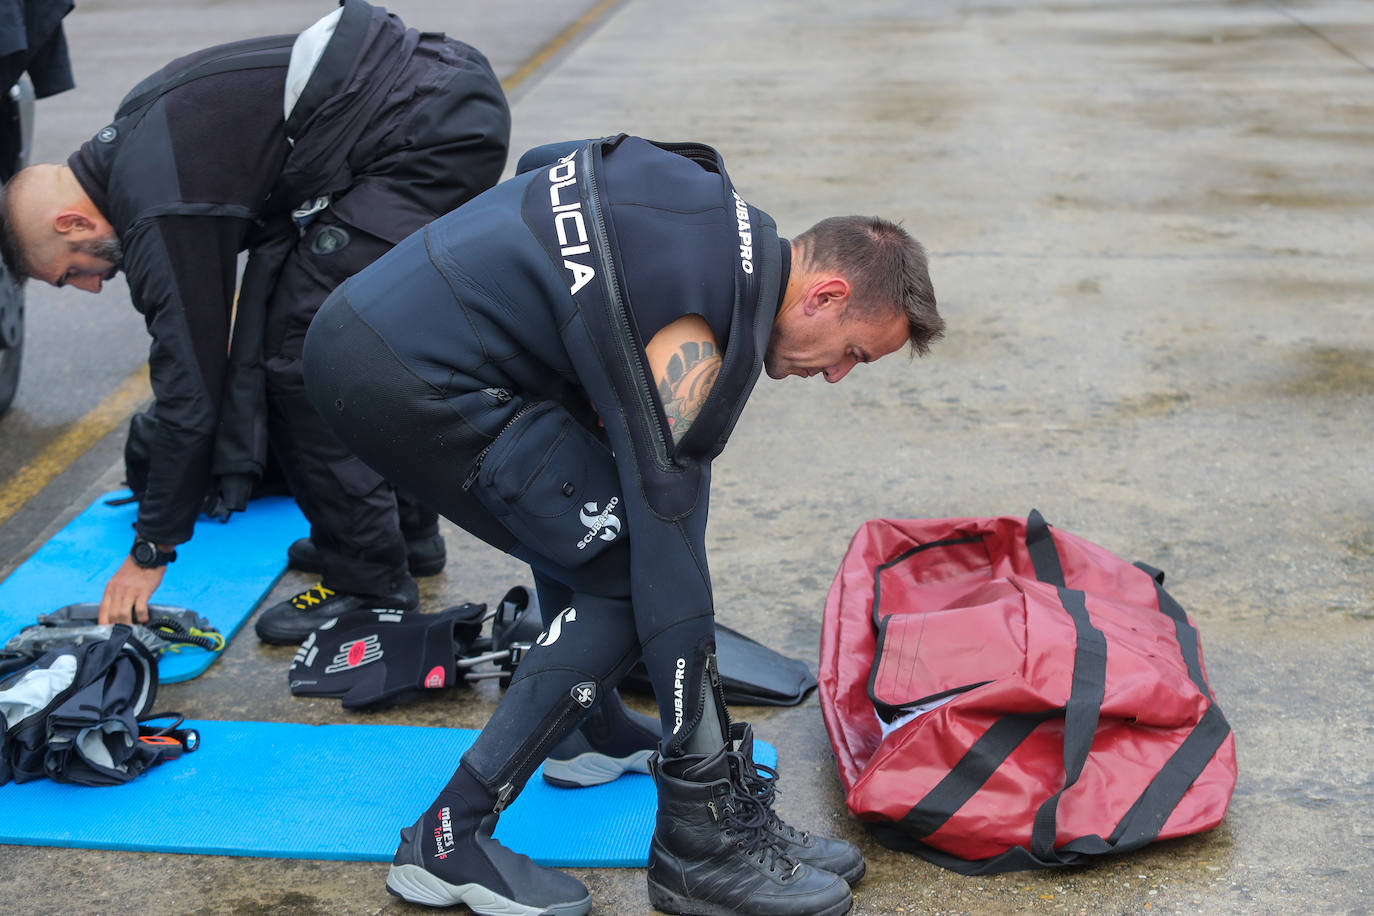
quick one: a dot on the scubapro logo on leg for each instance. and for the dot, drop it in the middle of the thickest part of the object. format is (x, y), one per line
(601, 524)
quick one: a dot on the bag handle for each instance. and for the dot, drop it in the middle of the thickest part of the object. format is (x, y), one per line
(1044, 555)
(1184, 631)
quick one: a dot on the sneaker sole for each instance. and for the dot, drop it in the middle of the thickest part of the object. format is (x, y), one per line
(672, 902)
(282, 637)
(415, 885)
(593, 769)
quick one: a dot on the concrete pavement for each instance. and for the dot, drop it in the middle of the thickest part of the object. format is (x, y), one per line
(1150, 227)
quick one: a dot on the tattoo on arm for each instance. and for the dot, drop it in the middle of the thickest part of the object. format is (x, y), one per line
(686, 381)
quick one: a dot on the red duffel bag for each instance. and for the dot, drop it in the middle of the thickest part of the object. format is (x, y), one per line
(1001, 695)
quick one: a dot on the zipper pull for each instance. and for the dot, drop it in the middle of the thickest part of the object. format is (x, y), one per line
(503, 795)
(475, 469)
(715, 815)
(500, 394)
(472, 475)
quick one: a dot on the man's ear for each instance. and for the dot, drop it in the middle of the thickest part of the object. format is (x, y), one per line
(73, 222)
(830, 293)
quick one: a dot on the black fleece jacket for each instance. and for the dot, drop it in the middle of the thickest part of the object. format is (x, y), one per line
(197, 166)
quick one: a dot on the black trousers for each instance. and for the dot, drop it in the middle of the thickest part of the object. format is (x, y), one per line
(358, 521)
(522, 475)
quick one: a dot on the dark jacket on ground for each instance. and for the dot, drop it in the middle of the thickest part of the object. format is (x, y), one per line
(200, 164)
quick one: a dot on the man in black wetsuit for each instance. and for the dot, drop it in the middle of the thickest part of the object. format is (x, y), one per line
(553, 366)
(315, 152)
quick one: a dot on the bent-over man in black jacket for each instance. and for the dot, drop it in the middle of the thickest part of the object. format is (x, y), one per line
(316, 153)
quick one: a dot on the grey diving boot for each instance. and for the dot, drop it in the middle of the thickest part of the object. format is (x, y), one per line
(449, 857)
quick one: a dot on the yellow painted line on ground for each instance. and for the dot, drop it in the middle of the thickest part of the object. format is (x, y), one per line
(115, 409)
(74, 442)
(557, 44)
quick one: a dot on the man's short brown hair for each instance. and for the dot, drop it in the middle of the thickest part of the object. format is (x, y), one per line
(886, 269)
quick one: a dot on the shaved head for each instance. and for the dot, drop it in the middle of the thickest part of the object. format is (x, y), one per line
(20, 203)
(51, 230)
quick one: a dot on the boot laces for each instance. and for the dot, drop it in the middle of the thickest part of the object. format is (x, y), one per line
(747, 817)
(313, 596)
(761, 781)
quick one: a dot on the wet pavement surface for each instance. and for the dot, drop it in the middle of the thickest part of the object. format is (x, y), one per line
(1149, 227)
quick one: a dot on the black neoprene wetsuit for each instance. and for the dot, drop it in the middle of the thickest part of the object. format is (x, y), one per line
(493, 364)
(392, 129)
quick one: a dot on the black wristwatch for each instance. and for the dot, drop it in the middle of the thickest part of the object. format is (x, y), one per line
(147, 555)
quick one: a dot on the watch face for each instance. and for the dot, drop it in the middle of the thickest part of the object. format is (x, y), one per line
(144, 553)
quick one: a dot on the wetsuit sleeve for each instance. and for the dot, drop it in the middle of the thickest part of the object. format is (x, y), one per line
(181, 276)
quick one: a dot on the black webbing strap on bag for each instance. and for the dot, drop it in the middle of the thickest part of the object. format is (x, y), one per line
(1044, 555)
(959, 785)
(1186, 632)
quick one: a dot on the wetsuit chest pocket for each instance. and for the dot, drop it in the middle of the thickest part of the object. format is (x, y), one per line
(554, 486)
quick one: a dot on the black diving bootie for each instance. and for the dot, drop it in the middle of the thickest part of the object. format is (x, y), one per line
(823, 852)
(713, 855)
(611, 741)
(448, 857)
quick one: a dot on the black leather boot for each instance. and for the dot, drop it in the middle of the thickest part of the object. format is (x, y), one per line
(823, 852)
(713, 855)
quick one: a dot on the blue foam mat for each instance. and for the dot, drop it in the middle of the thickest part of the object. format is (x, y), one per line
(282, 790)
(221, 574)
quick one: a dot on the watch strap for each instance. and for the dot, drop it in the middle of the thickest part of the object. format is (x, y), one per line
(148, 555)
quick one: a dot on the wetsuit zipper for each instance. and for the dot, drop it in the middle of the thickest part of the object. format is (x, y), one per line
(537, 753)
(482, 455)
(616, 306)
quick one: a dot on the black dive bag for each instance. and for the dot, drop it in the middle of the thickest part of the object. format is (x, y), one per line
(77, 715)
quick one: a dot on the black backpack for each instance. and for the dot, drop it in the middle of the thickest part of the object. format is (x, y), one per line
(78, 714)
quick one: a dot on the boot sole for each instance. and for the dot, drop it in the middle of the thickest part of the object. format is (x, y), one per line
(415, 885)
(670, 901)
(593, 769)
(855, 875)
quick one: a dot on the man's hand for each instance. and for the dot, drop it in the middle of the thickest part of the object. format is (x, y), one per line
(128, 591)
